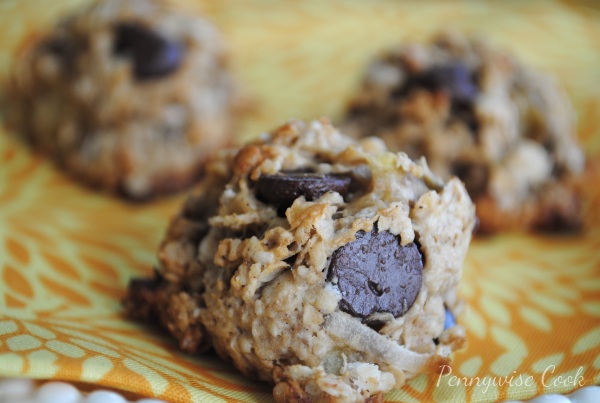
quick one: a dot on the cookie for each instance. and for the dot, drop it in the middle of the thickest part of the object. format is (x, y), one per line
(506, 130)
(324, 265)
(128, 96)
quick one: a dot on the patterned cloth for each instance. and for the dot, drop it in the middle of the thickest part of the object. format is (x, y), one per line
(66, 253)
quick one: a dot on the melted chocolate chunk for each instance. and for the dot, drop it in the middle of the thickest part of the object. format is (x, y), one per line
(283, 188)
(474, 175)
(375, 273)
(152, 55)
(141, 299)
(455, 79)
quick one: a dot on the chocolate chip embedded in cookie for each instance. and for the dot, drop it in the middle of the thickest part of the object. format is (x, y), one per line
(454, 78)
(152, 55)
(128, 96)
(376, 274)
(283, 188)
(474, 111)
(343, 297)
(142, 295)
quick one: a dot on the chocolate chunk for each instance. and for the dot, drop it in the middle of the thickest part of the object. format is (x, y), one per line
(152, 55)
(375, 273)
(449, 320)
(462, 110)
(455, 79)
(474, 175)
(283, 188)
(559, 210)
(141, 300)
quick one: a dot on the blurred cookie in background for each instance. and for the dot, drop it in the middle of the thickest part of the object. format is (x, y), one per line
(476, 112)
(127, 96)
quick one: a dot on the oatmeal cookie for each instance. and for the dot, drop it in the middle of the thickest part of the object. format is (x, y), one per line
(476, 112)
(324, 265)
(128, 96)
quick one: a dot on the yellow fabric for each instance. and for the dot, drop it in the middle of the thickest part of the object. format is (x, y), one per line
(66, 253)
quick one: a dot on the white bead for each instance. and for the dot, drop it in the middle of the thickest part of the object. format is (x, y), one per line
(589, 394)
(104, 396)
(15, 387)
(553, 398)
(57, 392)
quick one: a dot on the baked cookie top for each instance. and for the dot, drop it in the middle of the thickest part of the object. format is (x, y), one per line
(474, 111)
(322, 264)
(130, 96)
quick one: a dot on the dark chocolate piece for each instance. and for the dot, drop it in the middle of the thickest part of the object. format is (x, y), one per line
(474, 175)
(283, 188)
(152, 55)
(453, 78)
(141, 301)
(375, 273)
